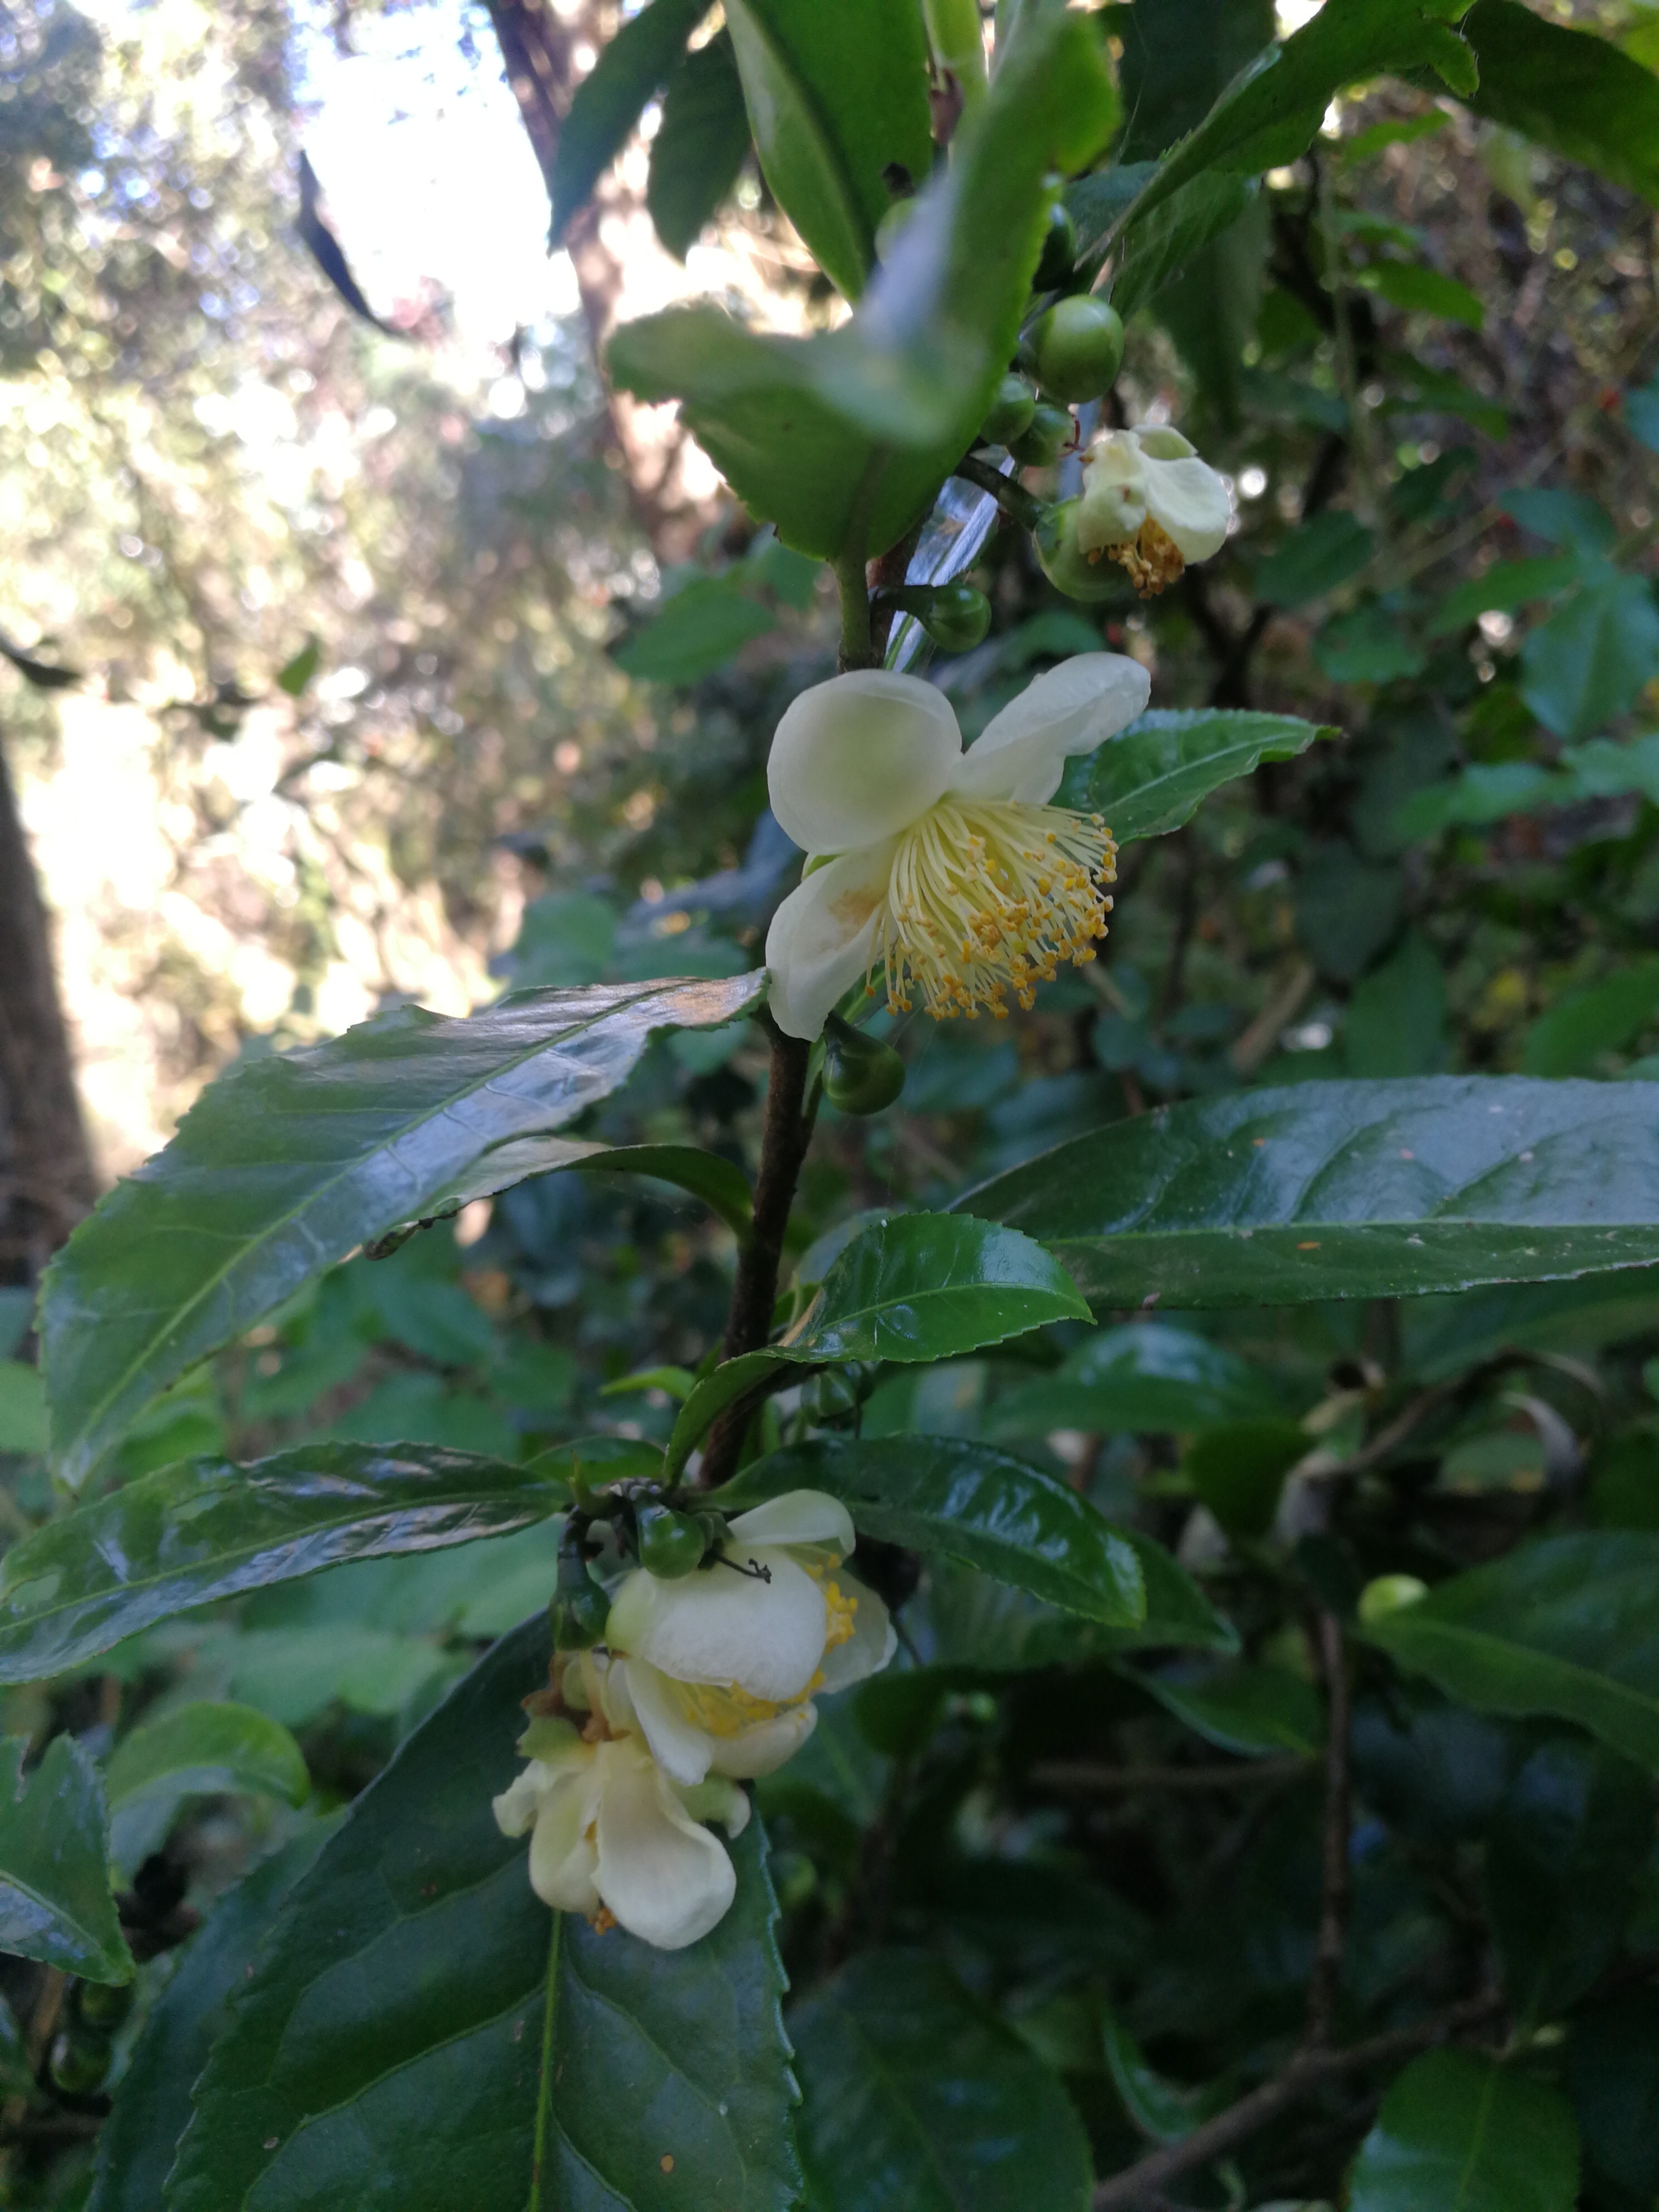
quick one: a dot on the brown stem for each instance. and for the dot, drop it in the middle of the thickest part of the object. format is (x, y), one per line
(1325, 1982)
(1141, 2185)
(784, 1140)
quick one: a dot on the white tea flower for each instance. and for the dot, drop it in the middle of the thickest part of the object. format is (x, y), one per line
(948, 868)
(1151, 503)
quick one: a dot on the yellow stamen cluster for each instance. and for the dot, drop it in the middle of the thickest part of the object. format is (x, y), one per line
(724, 1708)
(988, 896)
(1152, 557)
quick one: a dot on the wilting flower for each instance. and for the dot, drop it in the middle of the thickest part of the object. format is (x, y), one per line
(615, 1838)
(949, 868)
(1150, 503)
(719, 1669)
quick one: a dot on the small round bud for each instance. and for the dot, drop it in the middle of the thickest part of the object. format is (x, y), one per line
(1389, 1594)
(79, 2059)
(103, 2004)
(956, 617)
(1066, 565)
(861, 1075)
(1079, 346)
(672, 1544)
(1059, 250)
(1011, 412)
(1038, 447)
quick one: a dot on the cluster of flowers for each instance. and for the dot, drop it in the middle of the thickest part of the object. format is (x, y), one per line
(702, 1682)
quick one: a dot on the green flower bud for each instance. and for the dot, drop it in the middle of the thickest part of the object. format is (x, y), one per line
(1038, 445)
(79, 2059)
(861, 1075)
(1067, 568)
(1389, 1594)
(1011, 412)
(672, 1544)
(955, 615)
(1058, 251)
(579, 1607)
(1078, 347)
(103, 2004)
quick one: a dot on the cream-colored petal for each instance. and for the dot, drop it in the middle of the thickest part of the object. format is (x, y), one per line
(1188, 500)
(717, 1799)
(684, 1750)
(666, 1878)
(1074, 708)
(757, 1620)
(857, 759)
(763, 1749)
(1162, 441)
(826, 935)
(516, 1808)
(562, 1859)
(1113, 503)
(799, 1516)
(872, 1643)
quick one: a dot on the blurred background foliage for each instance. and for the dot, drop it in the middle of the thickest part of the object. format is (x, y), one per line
(411, 665)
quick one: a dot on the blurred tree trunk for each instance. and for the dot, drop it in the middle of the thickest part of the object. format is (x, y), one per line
(46, 1176)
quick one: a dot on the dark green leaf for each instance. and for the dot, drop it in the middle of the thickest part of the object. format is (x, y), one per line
(1565, 1626)
(720, 1183)
(410, 1115)
(55, 1902)
(1158, 2108)
(400, 2034)
(1420, 290)
(609, 100)
(1347, 1190)
(136, 2144)
(211, 1748)
(1154, 776)
(1612, 2067)
(918, 2096)
(804, 429)
(1568, 89)
(1563, 1860)
(704, 625)
(930, 1286)
(699, 146)
(1143, 1378)
(1462, 2132)
(1176, 61)
(1238, 1468)
(188, 1534)
(23, 1426)
(1642, 413)
(1587, 662)
(1164, 245)
(1367, 647)
(1505, 588)
(1347, 908)
(981, 1508)
(1251, 1710)
(295, 675)
(1314, 559)
(1396, 1020)
(1598, 1018)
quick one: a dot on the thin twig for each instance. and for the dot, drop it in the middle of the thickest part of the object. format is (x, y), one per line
(1141, 2185)
(1325, 1982)
(1013, 499)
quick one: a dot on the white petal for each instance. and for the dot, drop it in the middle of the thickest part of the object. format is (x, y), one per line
(1189, 500)
(825, 935)
(799, 1516)
(764, 1632)
(666, 1878)
(516, 1808)
(562, 1852)
(1072, 709)
(717, 1799)
(1113, 504)
(858, 758)
(684, 1750)
(1161, 441)
(871, 1644)
(763, 1749)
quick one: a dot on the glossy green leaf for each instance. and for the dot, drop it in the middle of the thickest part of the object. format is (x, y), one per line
(1162, 2111)
(970, 1504)
(1162, 247)
(720, 1183)
(1254, 1710)
(211, 1748)
(1503, 588)
(1569, 89)
(1157, 775)
(137, 2144)
(836, 97)
(851, 432)
(55, 1902)
(1336, 1189)
(1588, 661)
(216, 1231)
(210, 1529)
(1317, 556)
(1419, 290)
(1141, 1379)
(706, 623)
(1565, 1626)
(1269, 114)
(505, 2057)
(1238, 1468)
(699, 144)
(917, 2095)
(1598, 1018)
(22, 1407)
(912, 1286)
(1563, 1860)
(1460, 2132)
(611, 98)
